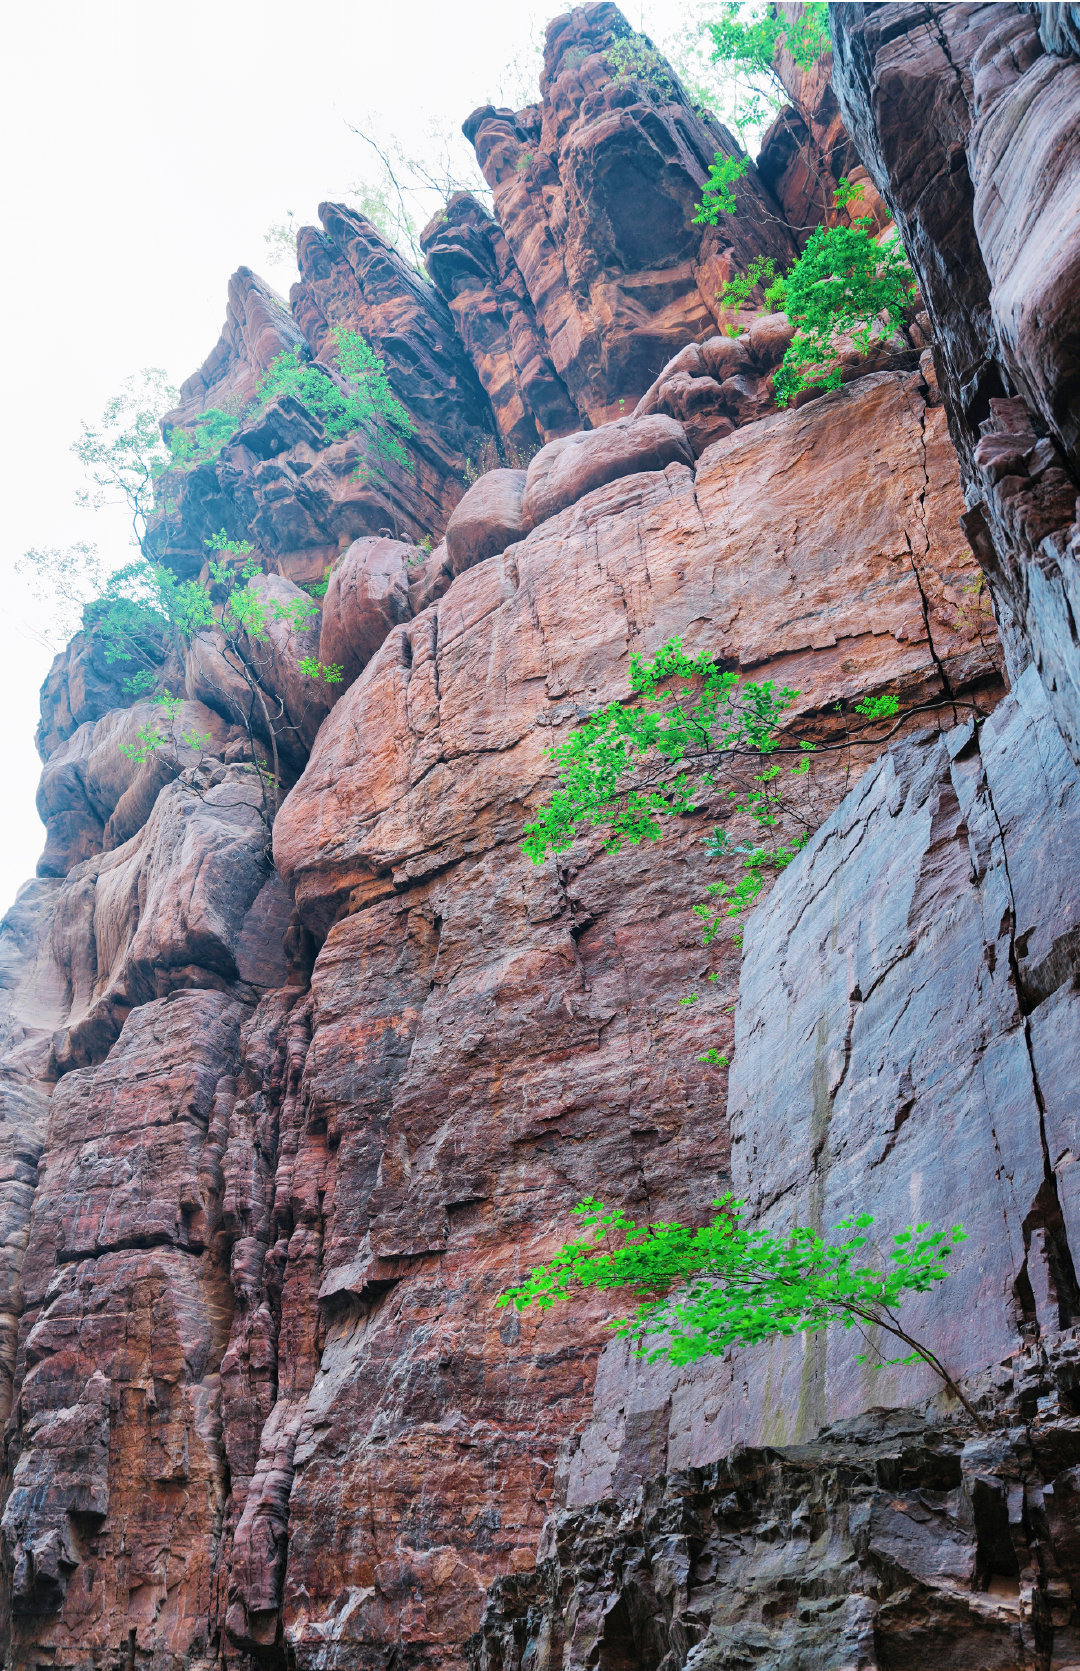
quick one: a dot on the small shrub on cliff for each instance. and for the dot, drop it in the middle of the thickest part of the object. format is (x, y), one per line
(359, 401)
(632, 60)
(701, 1290)
(718, 192)
(149, 738)
(726, 720)
(696, 733)
(843, 284)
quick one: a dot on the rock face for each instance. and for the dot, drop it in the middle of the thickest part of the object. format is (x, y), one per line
(470, 261)
(943, 888)
(986, 204)
(289, 1095)
(888, 1541)
(595, 189)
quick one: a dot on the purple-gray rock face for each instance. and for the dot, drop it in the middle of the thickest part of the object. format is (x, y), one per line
(966, 118)
(907, 1043)
(888, 1542)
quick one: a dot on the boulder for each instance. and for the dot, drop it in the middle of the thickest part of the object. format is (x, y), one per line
(367, 595)
(565, 470)
(487, 520)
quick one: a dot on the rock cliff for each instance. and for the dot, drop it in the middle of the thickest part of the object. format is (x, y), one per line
(284, 1110)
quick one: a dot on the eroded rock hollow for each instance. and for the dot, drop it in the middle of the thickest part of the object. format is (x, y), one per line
(283, 1117)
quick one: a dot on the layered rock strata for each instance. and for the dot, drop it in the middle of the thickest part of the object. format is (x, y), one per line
(595, 189)
(888, 1541)
(327, 1218)
(282, 1118)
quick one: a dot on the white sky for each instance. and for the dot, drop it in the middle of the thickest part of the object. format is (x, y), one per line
(147, 148)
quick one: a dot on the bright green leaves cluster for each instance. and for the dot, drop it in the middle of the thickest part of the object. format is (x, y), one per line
(331, 673)
(360, 401)
(247, 611)
(142, 609)
(687, 711)
(735, 899)
(878, 707)
(633, 59)
(745, 41)
(761, 271)
(208, 433)
(843, 284)
(722, 1285)
(149, 738)
(718, 192)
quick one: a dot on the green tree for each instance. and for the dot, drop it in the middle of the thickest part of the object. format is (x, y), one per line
(357, 401)
(747, 39)
(701, 1290)
(844, 284)
(695, 732)
(125, 458)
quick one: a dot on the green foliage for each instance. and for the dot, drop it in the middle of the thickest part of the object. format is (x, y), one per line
(316, 588)
(633, 59)
(878, 707)
(843, 284)
(735, 899)
(846, 192)
(671, 726)
(140, 683)
(330, 672)
(229, 548)
(761, 271)
(358, 402)
(149, 739)
(718, 193)
(142, 607)
(745, 41)
(722, 1285)
(207, 434)
(123, 454)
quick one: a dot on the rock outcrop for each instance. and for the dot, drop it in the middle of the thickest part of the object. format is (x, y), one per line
(469, 259)
(595, 189)
(887, 1541)
(289, 1093)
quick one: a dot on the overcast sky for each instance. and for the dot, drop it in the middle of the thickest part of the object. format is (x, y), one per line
(147, 148)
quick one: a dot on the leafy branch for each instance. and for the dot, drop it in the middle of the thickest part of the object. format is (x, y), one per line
(358, 401)
(718, 1285)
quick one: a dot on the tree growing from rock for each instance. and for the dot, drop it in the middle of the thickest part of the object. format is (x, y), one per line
(141, 613)
(844, 287)
(702, 1290)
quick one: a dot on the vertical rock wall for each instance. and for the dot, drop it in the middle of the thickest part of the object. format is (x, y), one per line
(283, 1119)
(986, 203)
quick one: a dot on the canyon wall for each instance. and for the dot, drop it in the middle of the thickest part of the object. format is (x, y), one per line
(285, 1111)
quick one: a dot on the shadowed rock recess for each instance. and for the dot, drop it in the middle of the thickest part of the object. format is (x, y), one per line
(280, 1120)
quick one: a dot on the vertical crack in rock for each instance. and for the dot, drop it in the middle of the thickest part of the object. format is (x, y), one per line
(1044, 1217)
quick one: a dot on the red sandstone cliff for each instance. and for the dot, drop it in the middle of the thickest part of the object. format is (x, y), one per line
(278, 1126)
